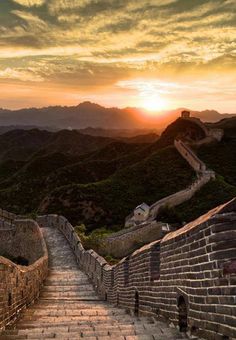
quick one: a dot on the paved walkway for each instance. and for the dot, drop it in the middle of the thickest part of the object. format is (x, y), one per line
(69, 308)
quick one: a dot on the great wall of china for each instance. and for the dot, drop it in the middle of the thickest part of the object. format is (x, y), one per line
(186, 279)
(149, 229)
(204, 175)
(20, 285)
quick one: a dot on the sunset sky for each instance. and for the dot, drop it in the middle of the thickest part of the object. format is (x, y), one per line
(157, 54)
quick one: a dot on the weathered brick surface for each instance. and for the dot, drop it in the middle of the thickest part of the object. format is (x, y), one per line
(123, 242)
(7, 216)
(19, 286)
(195, 264)
(22, 239)
(69, 308)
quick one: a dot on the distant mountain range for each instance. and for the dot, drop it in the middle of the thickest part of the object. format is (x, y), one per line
(92, 115)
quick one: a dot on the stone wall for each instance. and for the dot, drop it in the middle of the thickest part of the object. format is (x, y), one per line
(198, 122)
(5, 225)
(181, 196)
(23, 239)
(20, 285)
(216, 134)
(212, 134)
(203, 177)
(7, 216)
(191, 271)
(124, 242)
(177, 198)
(190, 156)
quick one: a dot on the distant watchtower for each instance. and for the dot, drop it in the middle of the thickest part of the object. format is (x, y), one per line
(185, 114)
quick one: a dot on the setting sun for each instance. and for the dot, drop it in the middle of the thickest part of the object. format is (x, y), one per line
(154, 104)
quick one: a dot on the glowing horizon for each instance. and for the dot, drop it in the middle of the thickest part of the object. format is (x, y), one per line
(154, 54)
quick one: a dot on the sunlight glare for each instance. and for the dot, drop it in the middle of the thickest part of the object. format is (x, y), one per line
(154, 104)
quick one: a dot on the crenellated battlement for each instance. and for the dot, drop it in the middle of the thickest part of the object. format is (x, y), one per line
(192, 269)
(194, 266)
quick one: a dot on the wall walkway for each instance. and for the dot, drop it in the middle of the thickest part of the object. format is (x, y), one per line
(69, 308)
(194, 266)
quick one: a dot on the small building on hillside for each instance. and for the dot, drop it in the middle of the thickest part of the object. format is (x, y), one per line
(185, 114)
(141, 212)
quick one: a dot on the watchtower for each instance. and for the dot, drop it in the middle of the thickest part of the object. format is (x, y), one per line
(185, 114)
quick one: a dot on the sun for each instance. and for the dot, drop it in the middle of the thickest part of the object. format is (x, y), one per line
(154, 104)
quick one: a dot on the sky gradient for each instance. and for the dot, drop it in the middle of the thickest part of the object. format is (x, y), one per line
(159, 54)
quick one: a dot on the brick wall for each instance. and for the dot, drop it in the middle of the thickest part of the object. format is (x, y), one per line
(20, 285)
(212, 134)
(7, 216)
(190, 156)
(21, 239)
(122, 243)
(181, 196)
(204, 176)
(5, 225)
(191, 271)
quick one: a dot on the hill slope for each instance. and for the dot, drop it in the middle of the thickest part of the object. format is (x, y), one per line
(98, 180)
(221, 157)
(21, 144)
(108, 202)
(102, 179)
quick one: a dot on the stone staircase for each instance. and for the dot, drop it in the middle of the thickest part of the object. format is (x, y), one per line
(68, 307)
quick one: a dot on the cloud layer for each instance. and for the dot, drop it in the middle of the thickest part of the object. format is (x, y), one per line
(88, 48)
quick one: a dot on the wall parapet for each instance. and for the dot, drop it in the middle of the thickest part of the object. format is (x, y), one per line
(195, 265)
(181, 196)
(211, 133)
(5, 225)
(190, 156)
(123, 242)
(7, 216)
(20, 285)
(203, 176)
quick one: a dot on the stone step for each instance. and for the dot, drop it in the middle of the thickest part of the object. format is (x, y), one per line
(78, 318)
(83, 321)
(68, 307)
(69, 298)
(78, 331)
(68, 272)
(85, 332)
(62, 270)
(68, 336)
(67, 295)
(50, 282)
(136, 328)
(70, 312)
(68, 288)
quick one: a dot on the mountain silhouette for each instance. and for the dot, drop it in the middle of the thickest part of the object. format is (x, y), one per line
(89, 114)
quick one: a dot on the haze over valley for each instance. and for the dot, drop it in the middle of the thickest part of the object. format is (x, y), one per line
(92, 115)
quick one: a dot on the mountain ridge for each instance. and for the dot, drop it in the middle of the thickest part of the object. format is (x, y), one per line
(88, 114)
(99, 180)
